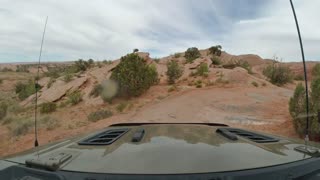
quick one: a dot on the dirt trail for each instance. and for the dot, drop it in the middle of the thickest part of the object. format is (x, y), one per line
(224, 105)
(237, 106)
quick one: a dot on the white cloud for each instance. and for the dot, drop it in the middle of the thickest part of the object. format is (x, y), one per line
(276, 33)
(108, 29)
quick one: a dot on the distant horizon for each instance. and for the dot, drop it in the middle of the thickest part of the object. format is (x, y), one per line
(68, 61)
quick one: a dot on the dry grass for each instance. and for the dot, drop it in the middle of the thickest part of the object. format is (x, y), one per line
(98, 115)
(122, 106)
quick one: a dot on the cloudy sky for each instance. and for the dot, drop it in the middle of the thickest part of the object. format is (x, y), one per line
(102, 29)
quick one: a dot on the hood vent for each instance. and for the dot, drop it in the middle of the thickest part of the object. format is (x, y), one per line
(104, 138)
(255, 137)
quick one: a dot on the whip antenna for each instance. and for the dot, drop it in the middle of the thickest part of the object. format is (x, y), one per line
(36, 143)
(305, 74)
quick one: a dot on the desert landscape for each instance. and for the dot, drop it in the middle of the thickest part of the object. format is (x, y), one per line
(230, 89)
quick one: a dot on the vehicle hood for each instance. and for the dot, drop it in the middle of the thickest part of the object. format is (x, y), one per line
(169, 149)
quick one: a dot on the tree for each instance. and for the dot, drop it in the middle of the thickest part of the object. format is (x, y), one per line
(191, 54)
(174, 71)
(135, 50)
(134, 76)
(82, 65)
(215, 50)
(91, 62)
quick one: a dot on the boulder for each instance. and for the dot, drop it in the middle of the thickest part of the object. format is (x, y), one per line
(60, 89)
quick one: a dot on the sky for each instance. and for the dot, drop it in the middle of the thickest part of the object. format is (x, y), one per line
(100, 29)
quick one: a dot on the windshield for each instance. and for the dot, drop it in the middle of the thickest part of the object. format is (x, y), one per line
(236, 63)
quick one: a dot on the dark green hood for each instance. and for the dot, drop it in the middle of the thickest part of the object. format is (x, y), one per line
(170, 149)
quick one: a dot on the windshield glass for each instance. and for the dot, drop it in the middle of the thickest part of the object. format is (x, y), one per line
(236, 63)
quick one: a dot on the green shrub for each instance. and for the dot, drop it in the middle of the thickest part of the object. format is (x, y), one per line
(278, 74)
(215, 50)
(215, 60)
(64, 104)
(107, 62)
(3, 110)
(1, 81)
(299, 77)
(245, 65)
(177, 55)
(238, 63)
(174, 71)
(173, 88)
(255, 84)
(19, 87)
(67, 77)
(99, 65)
(191, 54)
(75, 97)
(106, 99)
(24, 90)
(49, 123)
(7, 120)
(134, 76)
(54, 72)
(96, 91)
(297, 106)
(193, 74)
(198, 84)
(316, 70)
(60, 70)
(48, 107)
(157, 60)
(203, 70)
(315, 94)
(120, 107)
(21, 126)
(220, 80)
(82, 65)
(98, 115)
(91, 62)
(15, 108)
(5, 69)
(22, 68)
